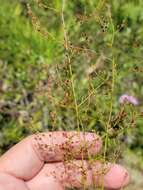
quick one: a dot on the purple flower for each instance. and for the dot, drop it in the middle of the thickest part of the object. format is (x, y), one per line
(128, 99)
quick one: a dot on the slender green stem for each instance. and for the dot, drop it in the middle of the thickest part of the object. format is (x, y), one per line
(69, 63)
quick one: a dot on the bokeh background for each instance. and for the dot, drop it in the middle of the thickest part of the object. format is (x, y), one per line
(41, 90)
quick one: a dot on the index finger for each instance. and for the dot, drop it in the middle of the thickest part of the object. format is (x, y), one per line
(59, 146)
(27, 158)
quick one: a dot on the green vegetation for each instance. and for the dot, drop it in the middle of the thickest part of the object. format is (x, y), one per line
(64, 65)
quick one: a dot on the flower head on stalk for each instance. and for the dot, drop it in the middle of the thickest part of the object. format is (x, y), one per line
(128, 99)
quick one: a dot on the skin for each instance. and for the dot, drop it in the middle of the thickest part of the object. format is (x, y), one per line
(56, 160)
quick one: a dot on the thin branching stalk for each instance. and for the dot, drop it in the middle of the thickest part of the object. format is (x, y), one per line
(69, 62)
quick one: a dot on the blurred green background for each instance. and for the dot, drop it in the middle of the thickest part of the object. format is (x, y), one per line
(38, 92)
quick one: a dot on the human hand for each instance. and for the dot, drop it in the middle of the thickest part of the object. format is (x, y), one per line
(56, 160)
